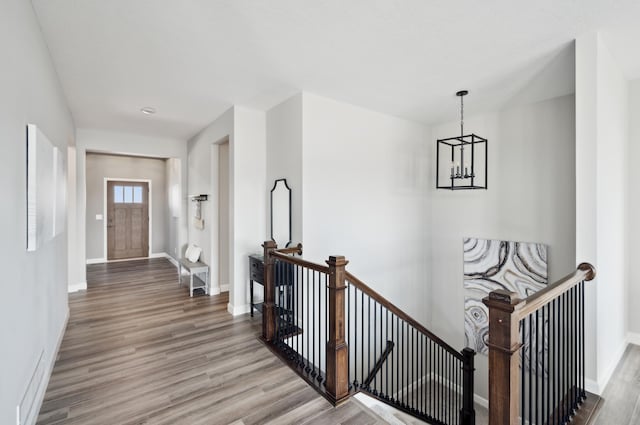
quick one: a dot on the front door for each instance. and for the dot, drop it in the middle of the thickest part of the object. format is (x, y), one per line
(127, 219)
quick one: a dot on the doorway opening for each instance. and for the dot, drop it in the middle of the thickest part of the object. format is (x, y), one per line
(127, 219)
(220, 216)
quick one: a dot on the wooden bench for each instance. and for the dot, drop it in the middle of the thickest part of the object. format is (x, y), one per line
(194, 269)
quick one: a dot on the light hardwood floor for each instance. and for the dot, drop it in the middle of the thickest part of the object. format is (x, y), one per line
(138, 350)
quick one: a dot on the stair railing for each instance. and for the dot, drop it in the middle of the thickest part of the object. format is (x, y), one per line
(536, 353)
(342, 337)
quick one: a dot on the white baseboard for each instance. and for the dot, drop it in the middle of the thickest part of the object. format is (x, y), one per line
(633, 338)
(96, 260)
(171, 259)
(224, 288)
(238, 310)
(606, 376)
(592, 386)
(152, 255)
(52, 361)
(75, 287)
(481, 401)
(597, 387)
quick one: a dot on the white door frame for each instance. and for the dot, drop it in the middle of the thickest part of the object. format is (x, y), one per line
(104, 216)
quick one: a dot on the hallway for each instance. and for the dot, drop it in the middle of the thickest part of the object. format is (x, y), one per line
(138, 350)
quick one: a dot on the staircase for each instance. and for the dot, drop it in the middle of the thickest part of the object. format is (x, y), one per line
(343, 339)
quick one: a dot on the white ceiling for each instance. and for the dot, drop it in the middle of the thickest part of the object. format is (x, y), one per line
(193, 59)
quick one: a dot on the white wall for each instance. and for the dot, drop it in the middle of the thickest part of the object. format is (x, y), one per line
(602, 125)
(284, 157)
(223, 215)
(365, 184)
(33, 294)
(175, 196)
(245, 130)
(126, 144)
(202, 174)
(248, 168)
(531, 198)
(633, 211)
(101, 166)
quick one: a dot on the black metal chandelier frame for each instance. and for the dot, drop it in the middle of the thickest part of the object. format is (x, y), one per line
(463, 176)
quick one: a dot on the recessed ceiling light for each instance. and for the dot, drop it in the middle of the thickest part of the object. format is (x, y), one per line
(148, 110)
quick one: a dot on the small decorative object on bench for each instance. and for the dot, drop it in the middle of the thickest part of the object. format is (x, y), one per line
(191, 263)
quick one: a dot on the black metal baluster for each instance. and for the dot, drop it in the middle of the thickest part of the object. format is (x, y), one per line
(582, 343)
(434, 381)
(362, 378)
(394, 354)
(536, 396)
(386, 376)
(449, 389)
(419, 406)
(411, 366)
(523, 407)
(279, 308)
(296, 310)
(320, 345)
(563, 383)
(440, 389)
(545, 352)
(382, 349)
(552, 361)
(530, 368)
(558, 362)
(402, 342)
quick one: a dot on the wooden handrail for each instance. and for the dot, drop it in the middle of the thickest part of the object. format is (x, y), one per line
(401, 314)
(506, 311)
(299, 262)
(281, 255)
(291, 250)
(585, 271)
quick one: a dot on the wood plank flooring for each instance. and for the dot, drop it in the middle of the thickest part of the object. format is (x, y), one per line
(138, 350)
(620, 403)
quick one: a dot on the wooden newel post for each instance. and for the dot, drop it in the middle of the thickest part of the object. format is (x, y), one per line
(504, 361)
(337, 384)
(269, 308)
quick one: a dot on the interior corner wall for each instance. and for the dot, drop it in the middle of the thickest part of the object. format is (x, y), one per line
(530, 198)
(284, 158)
(365, 183)
(33, 294)
(602, 130)
(100, 167)
(104, 141)
(246, 132)
(202, 172)
(633, 211)
(248, 221)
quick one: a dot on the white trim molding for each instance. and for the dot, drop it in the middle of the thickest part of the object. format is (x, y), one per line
(238, 310)
(52, 360)
(633, 338)
(96, 260)
(75, 287)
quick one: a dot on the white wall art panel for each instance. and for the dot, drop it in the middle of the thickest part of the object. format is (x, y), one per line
(519, 267)
(40, 188)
